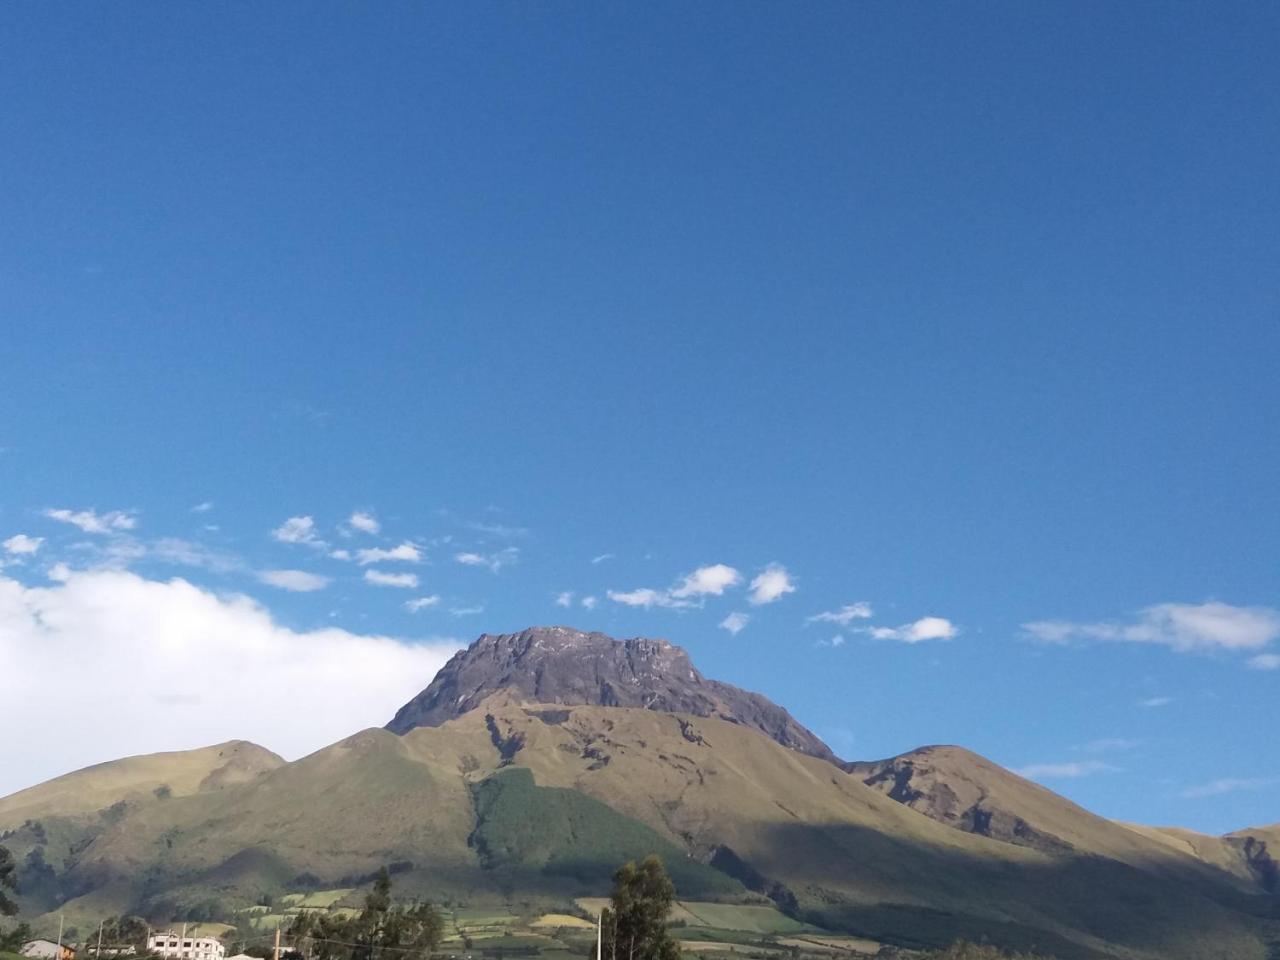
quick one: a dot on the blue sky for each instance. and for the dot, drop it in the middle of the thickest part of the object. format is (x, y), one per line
(962, 312)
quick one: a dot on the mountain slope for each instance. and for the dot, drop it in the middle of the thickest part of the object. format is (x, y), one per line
(965, 791)
(178, 773)
(526, 802)
(508, 792)
(560, 665)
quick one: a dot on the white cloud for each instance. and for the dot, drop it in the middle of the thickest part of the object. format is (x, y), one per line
(836, 641)
(1154, 702)
(408, 552)
(643, 597)
(1064, 771)
(92, 522)
(735, 622)
(298, 530)
(926, 628)
(845, 615)
(204, 507)
(1216, 788)
(421, 603)
(772, 584)
(494, 561)
(602, 558)
(1265, 661)
(690, 591)
(407, 581)
(298, 581)
(21, 545)
(1184, 627)
(465, 611)
(140, 638)
(589, 603)
(712, 581)
(364, 522)
(564, 599)
(340, 554)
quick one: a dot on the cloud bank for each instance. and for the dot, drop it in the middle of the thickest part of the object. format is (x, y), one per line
(115, 647)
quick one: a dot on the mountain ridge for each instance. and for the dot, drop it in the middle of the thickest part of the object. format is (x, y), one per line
(564, 666)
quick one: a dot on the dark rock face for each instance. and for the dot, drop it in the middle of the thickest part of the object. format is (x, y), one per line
(559, 665)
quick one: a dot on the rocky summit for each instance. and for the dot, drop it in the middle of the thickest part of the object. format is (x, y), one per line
(560, 665)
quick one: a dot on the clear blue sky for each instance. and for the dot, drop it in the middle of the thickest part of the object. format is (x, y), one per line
(966, 311)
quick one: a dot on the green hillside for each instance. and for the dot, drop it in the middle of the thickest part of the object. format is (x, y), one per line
(523, 829)
(518, 811)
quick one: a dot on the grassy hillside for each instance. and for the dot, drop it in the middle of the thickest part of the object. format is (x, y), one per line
(145, 778)
(524, 829)
(517, 810)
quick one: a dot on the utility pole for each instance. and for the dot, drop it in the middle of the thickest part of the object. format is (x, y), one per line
(276, 955)
(59, 951)
(98, 954)
(600, 936)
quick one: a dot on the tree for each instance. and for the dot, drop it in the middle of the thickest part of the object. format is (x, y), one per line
(10, 940)
(634, 927)
(8, 881)
(381, 931)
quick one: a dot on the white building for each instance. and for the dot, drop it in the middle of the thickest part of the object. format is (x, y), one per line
(175, 946)
(47, 950)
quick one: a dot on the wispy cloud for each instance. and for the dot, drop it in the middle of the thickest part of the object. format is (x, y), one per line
(421, 603)
(845, 615)
(494, 561)
(1155, 702)
(690, 590)
(564, 599)
(773, 583)
(301, 529)
(1216, 788)
(297, 581)
(406, 552)
(189, 553)
(589, 603)
(92, 522)
(465, 611)
(1064, 771)
(926, 628)
(204, 507)
(735, 622)
(836, 641)
(1184, 627)
(601, 558)
(20, 545)
(380, 578)
(1265, 661)
(644, 597)
(364, 521)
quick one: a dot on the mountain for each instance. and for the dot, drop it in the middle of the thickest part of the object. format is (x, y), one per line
(560, 665)
(962, 790)
(510, 795)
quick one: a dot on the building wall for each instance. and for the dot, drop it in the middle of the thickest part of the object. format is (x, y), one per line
(174, 946)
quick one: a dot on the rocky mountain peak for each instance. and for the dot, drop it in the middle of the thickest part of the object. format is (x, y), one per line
(561, 665)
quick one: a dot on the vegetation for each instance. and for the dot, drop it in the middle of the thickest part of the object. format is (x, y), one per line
(10, 939)
(565, 833)
(405, 932)
(634, 926)
(963, 950)
(7, 882)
